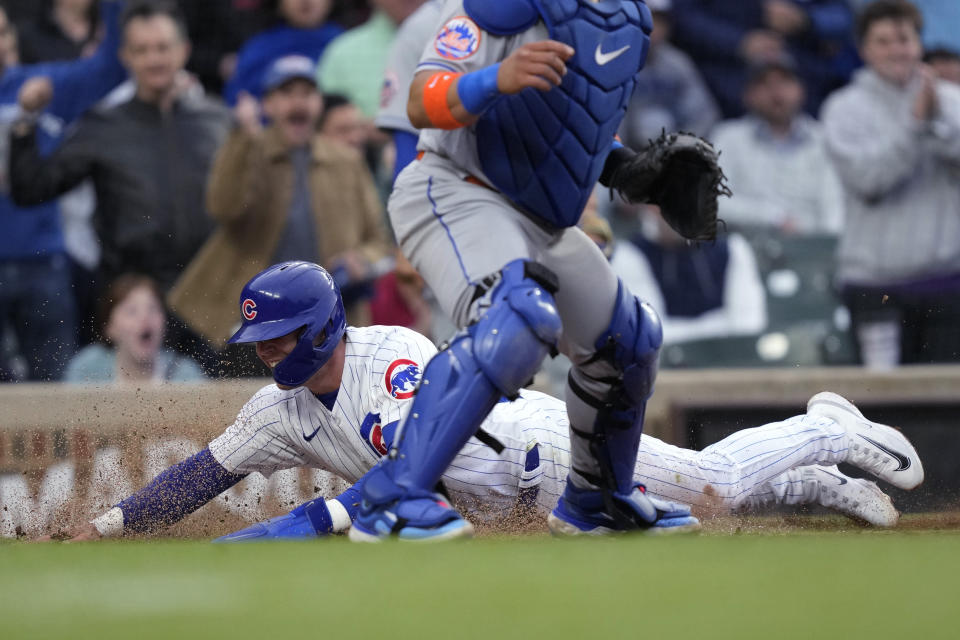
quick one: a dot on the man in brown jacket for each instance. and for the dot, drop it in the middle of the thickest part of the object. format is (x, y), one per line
(281, 193)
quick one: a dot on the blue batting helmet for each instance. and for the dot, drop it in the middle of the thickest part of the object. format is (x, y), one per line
(287, 297)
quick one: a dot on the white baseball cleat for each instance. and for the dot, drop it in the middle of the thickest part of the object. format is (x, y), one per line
(853, 497)
(874, 447)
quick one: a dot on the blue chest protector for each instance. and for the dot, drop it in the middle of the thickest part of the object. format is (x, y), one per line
(546, 150)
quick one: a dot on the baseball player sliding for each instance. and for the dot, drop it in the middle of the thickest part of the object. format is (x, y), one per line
(518, 103)
(340, 393)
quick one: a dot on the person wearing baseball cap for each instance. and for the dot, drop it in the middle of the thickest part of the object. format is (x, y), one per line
(775, 157)
(281, 192)
(725, 37)
(287, 69)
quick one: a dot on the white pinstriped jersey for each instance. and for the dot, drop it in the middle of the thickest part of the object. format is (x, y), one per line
(280, 429)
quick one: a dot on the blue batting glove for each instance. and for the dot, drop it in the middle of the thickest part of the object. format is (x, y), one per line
(309, 520)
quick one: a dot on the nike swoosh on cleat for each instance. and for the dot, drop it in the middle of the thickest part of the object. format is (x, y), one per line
(842, 480)
(603, 58)
(902, 459)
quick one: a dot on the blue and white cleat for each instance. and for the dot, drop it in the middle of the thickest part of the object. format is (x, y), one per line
(582, 512)
(422, 518)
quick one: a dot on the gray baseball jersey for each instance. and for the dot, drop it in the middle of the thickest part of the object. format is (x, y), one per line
(402, 61)
(457, 233)
(447, 52)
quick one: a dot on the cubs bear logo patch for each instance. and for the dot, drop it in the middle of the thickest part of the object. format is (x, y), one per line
(402, 378)
(249, 309)
(458, 39)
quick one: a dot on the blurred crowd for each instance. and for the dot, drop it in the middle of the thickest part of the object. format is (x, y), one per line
(156, 155)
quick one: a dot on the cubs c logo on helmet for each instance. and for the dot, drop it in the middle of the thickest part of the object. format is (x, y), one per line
(402, 378)
(458, 39)
(249, 309)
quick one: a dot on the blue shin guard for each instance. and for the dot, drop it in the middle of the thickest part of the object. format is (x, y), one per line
(491, 358)
(631, 345)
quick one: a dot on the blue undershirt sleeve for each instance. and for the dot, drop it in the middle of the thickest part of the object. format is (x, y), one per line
(79, 84)
(176, 493)
(406, 145)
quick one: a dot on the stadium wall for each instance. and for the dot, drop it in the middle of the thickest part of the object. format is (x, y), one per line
(69, 452)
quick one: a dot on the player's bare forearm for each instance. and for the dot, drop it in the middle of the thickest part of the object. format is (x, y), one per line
(539, 65)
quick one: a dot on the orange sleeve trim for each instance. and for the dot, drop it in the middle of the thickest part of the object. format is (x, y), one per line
(435, 101)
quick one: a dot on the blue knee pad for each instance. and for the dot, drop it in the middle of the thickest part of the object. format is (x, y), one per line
(519, 329)
(495, 356)
(632, 345)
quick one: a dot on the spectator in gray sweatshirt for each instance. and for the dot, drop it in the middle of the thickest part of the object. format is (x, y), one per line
(894, 136)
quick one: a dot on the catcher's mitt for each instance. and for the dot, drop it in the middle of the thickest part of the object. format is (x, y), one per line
(680, 173)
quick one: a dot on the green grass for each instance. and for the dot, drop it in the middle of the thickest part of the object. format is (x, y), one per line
(815, 585)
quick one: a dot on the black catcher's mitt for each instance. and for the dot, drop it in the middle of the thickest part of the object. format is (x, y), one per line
(680, 173)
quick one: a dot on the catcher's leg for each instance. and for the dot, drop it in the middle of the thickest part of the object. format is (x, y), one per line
(460, 385)
(606, 400)
(459, 236)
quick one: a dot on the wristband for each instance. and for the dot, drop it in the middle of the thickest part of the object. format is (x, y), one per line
(435, 101)
(110, 524)
(478, 89)
(339, 516)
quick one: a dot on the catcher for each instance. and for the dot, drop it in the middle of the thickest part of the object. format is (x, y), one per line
(517, 128)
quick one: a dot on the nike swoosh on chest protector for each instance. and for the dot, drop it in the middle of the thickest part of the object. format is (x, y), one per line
(602, 58)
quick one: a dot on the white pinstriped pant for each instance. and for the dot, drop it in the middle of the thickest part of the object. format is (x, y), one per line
(751, 468)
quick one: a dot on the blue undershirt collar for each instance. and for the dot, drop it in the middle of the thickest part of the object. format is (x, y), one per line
(328, 399)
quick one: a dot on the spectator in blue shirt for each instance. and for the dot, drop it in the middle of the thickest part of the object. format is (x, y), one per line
(35, 298)
(724, 37)
(303, 31)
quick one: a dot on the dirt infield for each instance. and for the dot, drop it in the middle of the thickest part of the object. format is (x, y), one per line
(524, 525)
